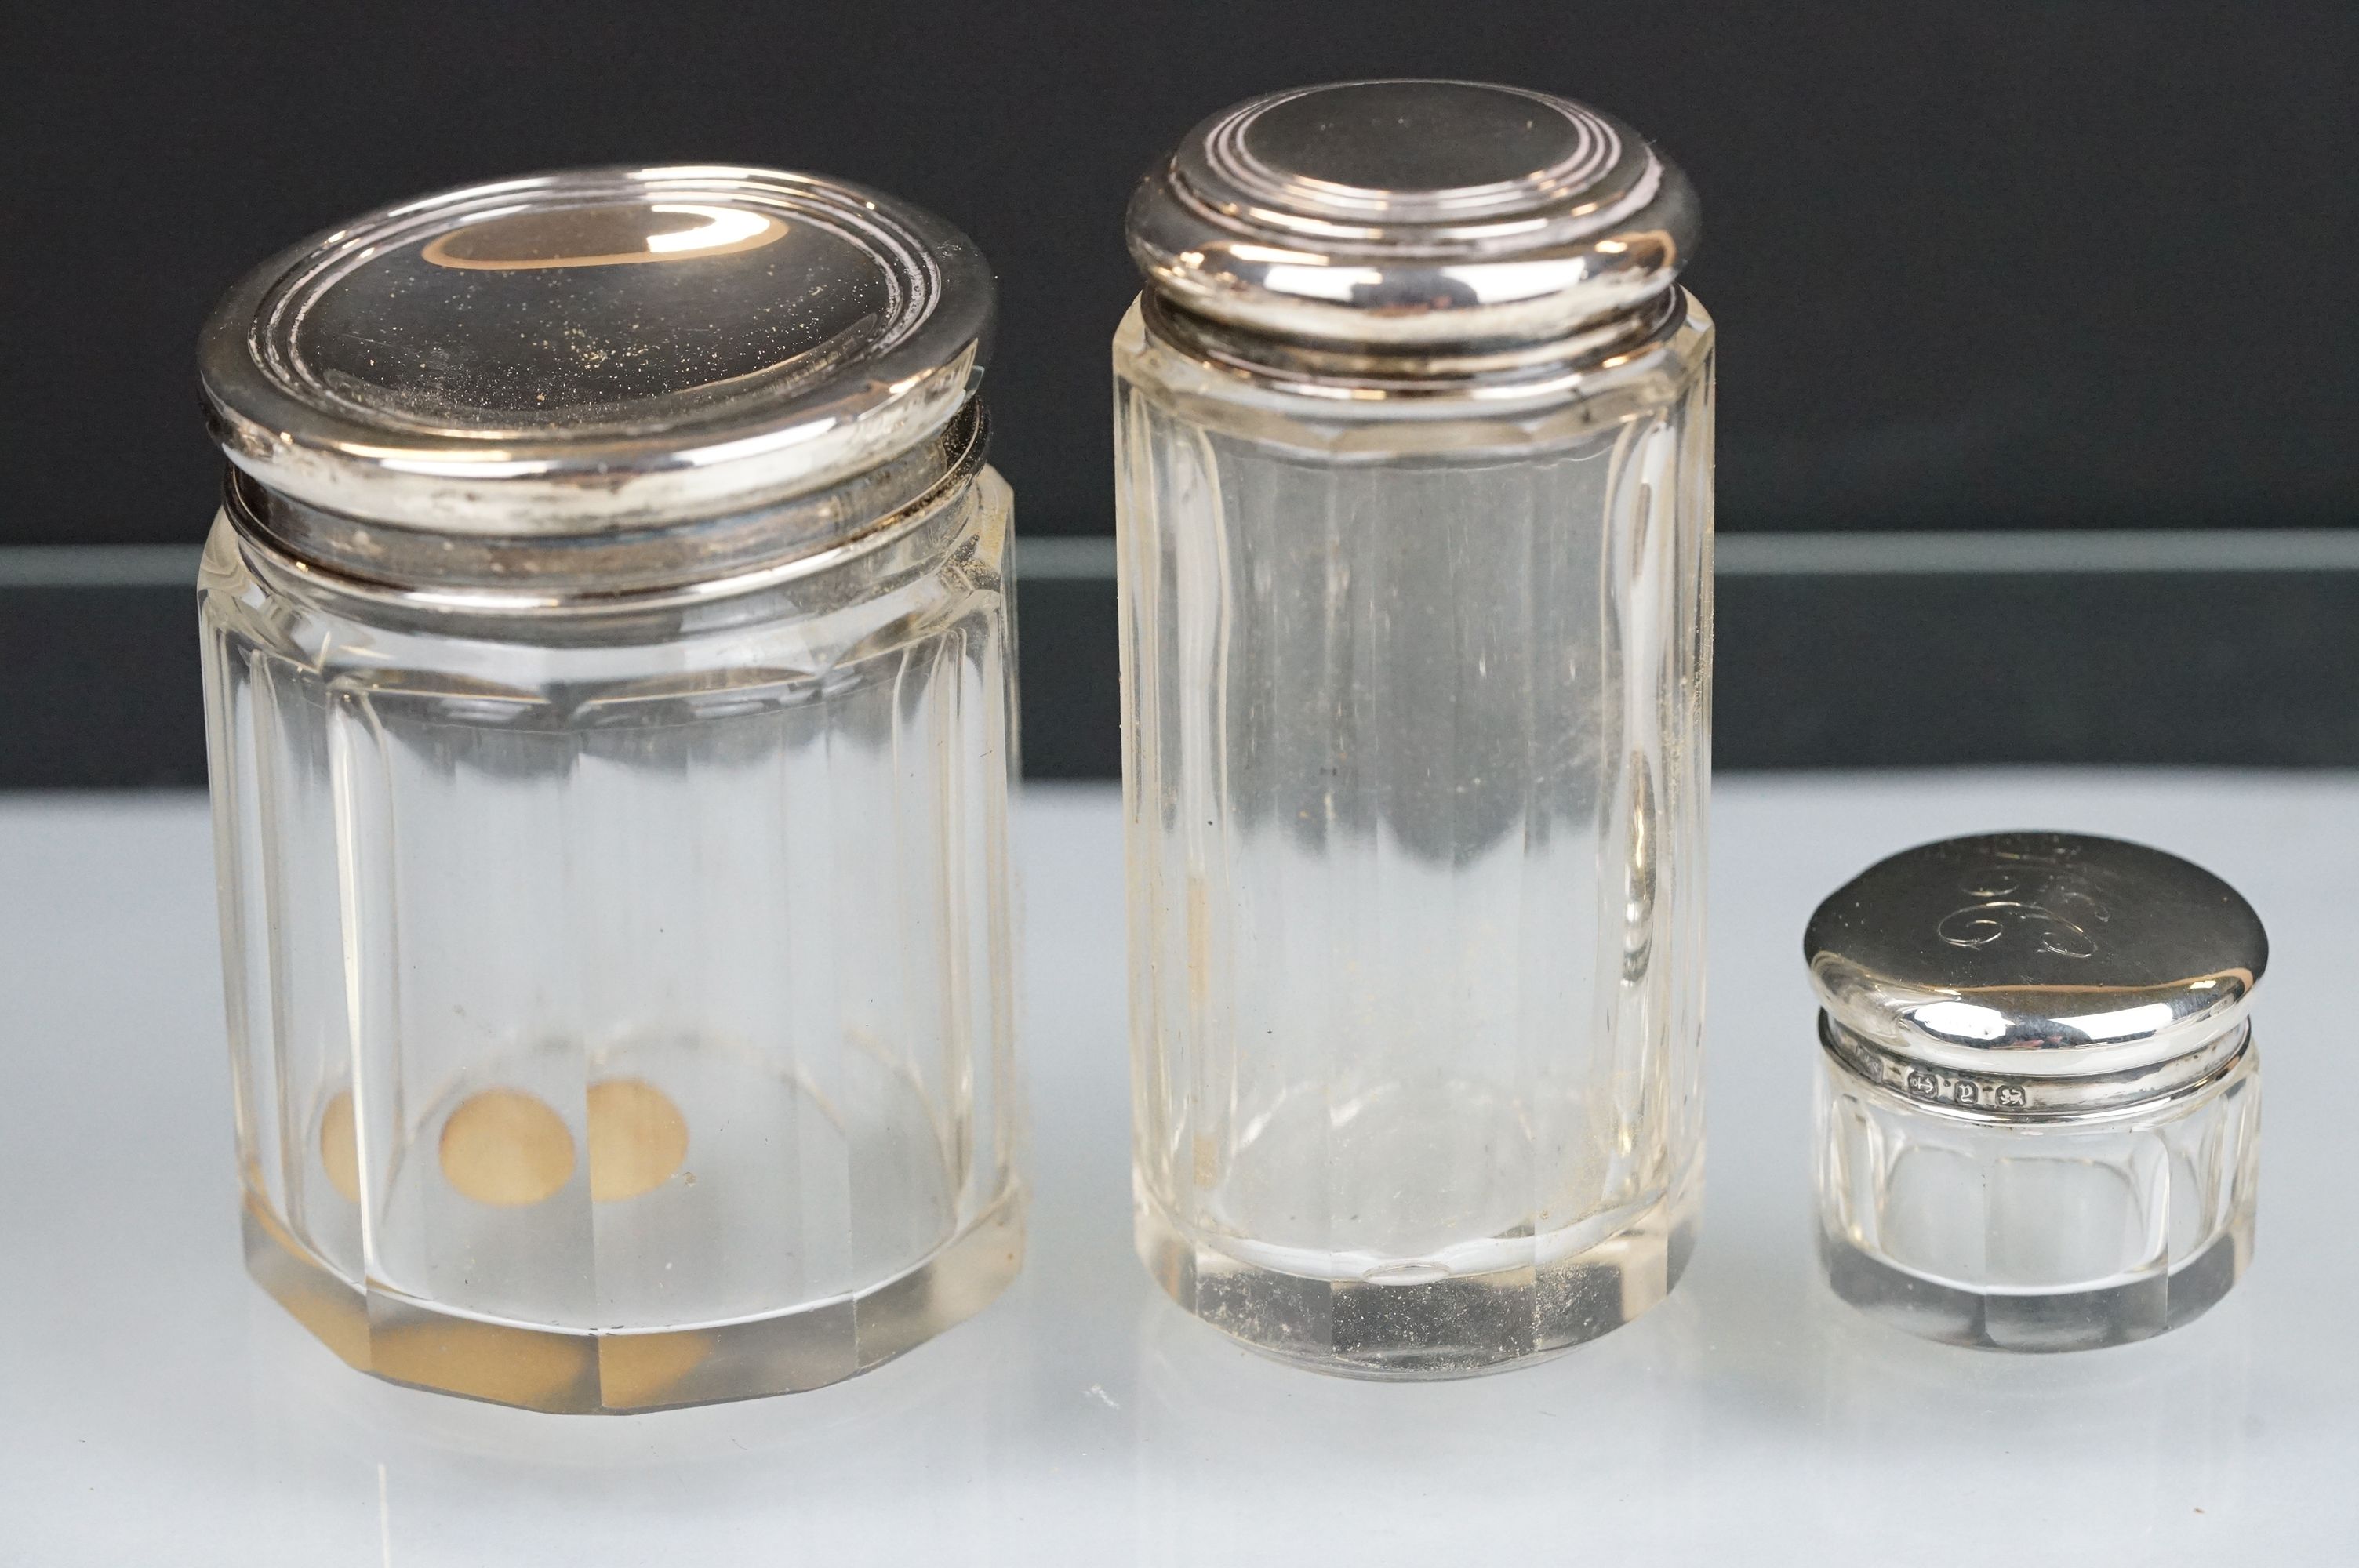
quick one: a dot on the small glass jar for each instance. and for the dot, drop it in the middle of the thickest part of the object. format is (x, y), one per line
(2039, 1115)
(608, 674)
(1414, 441)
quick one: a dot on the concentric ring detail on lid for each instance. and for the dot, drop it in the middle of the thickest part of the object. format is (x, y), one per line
(597, 350)
(2037, 955)
(1415, 213)
(1321, 157)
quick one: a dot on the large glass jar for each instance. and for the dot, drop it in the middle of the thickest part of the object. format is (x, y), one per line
(1414, 436)
(608, 671)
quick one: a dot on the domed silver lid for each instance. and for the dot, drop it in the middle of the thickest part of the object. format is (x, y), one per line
(2028, 971)
(1413, 213)
(595, 350)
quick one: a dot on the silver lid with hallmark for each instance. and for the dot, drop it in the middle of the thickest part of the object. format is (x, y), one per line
(2035, 973)
(597, 350)
(1413, 212)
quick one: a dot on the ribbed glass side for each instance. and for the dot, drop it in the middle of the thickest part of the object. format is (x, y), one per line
(1415, 759)
(624, 1019)
(2028, 1236)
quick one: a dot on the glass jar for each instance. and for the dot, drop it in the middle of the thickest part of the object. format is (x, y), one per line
(1414, 439)
(607, 666)
(2039, 1107)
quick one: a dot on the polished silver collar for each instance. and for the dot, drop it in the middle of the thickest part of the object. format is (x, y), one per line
(1988, 1093)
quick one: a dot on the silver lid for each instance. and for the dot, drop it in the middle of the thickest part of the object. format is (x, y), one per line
(1413, 213)
(2030, 972)
(598, 350)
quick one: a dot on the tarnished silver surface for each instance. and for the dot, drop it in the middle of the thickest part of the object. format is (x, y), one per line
(1997, 972)
(1477, 222)
(597, 352)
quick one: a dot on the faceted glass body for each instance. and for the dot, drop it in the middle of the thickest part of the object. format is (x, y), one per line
(1415, 698)
(2038, 1235)
(620, 1001)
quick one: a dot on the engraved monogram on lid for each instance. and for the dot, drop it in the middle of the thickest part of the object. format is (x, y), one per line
(2035, 972)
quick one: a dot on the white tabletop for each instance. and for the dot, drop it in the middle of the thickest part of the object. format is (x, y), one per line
(157, 1409)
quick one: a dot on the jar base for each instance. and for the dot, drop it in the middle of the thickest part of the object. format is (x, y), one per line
(1432, 1329)
(572, 1372)
(2091, 1319)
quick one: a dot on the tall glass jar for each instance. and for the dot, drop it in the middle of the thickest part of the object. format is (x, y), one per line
(1414, 435)
(608, 674)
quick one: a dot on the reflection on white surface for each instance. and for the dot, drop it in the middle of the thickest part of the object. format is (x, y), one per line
(1241, 1460)
(155, 1408)
(2097, 1451)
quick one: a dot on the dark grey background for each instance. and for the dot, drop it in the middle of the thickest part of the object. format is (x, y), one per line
(1989, 266)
